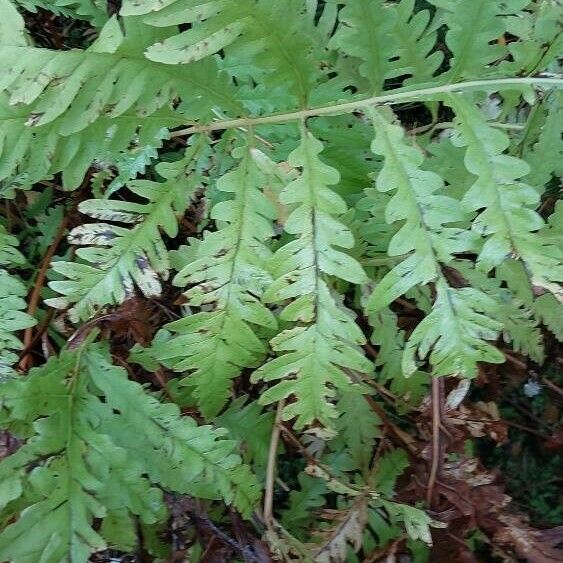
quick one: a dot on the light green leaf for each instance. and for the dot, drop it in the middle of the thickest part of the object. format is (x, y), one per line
(325, 342)
(12, 303)
(117, 259)
(455, 333)
(230, 274)
(507, 219)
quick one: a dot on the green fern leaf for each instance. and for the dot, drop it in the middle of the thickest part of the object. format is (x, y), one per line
(391, 342)
(61, 110)
(472, 32)
(30, 154)
(326, 340)
(303, 503)
(509, 220)
(12, 304)
(251, 427)
(418, 200)
(415, 521)
(186, 458)
(229, 272)
(415, 48)
(364, 28)
(520, 325)
(391, 40)
(123, 258)
(389, 468)
(548, 309)
(540, 39)
(456, 331)
(545, 156)
(257, 36)
(109, 78)
(358, 428)
(97, 444)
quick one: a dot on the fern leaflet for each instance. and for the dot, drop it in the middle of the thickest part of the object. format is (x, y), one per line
(326, 340)
(230, 274)
(12, 304)
(509, 218)
(456, 330)
(123, 258)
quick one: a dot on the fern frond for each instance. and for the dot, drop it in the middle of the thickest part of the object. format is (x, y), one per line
(520, 325)
(61, 110)
(418, 199)
(509, 220)
(391, 341)
(363, 32)
(358, 428)
(250, 426)
(540, 40)
(476, 31)
(472, 32)
(417, 37)
(326, 340)
(391, 40)
(108, 79)
(30, 154)
(118, 258)
(548, 307)
(186, 458)
(548, 310)
(12, 304)
(455, 332)
(265, 40)
(97, 447)
(230, 274)
(544, 157)
(303, 502)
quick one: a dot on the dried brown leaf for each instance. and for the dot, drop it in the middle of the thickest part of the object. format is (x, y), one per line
(349, 532)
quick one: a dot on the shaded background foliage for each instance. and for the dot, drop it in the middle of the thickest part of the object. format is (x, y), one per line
(79, 187)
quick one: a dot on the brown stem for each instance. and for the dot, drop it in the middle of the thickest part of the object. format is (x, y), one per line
(403, 437)
(552, 386)
(35, 295)
(436, 442)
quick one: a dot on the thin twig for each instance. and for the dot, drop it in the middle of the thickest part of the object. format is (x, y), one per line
(436, 446)
(36, 292)
(403, 437)
(528, 413)
(525, 429)
(245, 551)
(39, 330)
(376, 457)
(512, 359)
(552, 386)
(271, 468)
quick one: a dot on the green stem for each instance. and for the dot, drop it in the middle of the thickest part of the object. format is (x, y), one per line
(392, 98)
